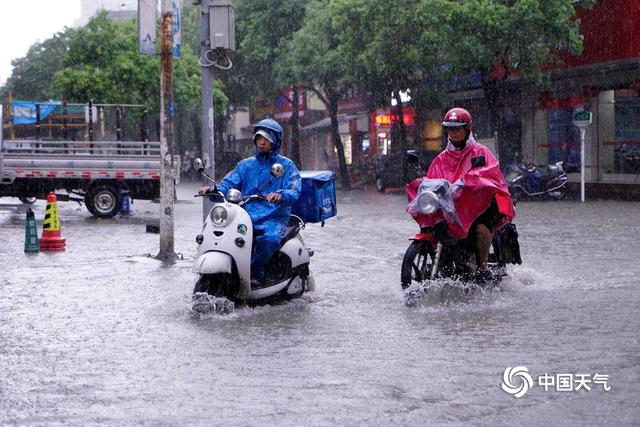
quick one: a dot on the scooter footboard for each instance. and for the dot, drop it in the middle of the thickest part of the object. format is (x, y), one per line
(213, 262)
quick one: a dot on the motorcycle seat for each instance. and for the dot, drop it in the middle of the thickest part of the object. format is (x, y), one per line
(294, 226)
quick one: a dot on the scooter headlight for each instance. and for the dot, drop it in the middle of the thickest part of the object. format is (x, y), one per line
(219, 216)
(427, 203)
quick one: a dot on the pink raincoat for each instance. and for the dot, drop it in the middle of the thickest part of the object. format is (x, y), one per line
(481, 185)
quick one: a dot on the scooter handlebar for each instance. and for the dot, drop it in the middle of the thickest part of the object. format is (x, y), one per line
(212, 191)
(256, 197)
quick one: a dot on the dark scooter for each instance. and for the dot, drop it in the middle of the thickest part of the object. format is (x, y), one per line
(526, 180)
(434, 253)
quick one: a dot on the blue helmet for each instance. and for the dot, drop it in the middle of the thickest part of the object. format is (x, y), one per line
(272, 129)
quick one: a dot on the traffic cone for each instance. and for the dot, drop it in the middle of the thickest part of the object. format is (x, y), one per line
(31, 234)
(51, 239)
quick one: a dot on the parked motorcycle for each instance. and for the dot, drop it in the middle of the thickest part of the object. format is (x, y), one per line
(436, 253)
(223, 262)
(529, 180)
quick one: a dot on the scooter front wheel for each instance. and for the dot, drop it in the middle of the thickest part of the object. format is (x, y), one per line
(417, 263)
(216, 285)
(558, 194)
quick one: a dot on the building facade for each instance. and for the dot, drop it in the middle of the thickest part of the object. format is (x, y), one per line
(117, 9)
(605, 80)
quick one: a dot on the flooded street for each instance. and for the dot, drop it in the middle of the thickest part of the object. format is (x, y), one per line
(104, 334)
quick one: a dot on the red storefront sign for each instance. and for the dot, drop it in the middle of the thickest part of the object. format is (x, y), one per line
(387, 119)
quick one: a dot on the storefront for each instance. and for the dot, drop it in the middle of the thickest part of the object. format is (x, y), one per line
(383, 124)
(604, 80)
(612, 142)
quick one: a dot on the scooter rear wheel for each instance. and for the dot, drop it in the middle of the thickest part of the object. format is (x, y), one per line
(417, 263)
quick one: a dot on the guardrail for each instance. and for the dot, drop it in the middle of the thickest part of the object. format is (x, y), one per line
(90, 149)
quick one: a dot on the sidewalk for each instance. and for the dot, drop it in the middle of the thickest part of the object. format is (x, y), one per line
(369, 186)
(605, 191)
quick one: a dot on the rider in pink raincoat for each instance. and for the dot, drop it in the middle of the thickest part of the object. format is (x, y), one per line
(483, 204)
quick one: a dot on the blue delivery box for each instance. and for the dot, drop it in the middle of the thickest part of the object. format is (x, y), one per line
(317, 200)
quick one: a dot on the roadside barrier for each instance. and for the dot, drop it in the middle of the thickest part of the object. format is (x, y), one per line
(31, 243)
(51, 239)
(125, 205)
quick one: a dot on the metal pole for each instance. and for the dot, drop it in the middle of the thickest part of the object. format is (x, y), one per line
(37, 122)
(1, 140)
(206, 91)
(65, 129)
(145, 130)
(166, 136)
(118, 123)
(91, 121)
(583, 131)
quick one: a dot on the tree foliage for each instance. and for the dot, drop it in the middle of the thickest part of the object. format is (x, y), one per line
(327, 46)
(502, 39)
(265, 30)
(33, 75)
(315, 57)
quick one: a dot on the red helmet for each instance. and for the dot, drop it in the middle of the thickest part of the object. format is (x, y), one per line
(457, 117)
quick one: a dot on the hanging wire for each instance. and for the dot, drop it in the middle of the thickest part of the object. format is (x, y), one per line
(220, 59)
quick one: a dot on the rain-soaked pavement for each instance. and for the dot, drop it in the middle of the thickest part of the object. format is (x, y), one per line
(103, 334)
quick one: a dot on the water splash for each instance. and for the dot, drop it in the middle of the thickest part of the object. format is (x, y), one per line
(203, 303)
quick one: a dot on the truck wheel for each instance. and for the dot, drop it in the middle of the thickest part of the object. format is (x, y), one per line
(27, 200)
(102, 201)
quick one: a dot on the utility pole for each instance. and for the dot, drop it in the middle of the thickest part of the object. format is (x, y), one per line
(167, 112)
(217, 35)
(206, 103)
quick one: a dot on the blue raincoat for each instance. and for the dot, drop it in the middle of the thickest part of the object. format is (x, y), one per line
(253, 176)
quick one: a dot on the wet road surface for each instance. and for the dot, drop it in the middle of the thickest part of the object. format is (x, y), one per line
(104, 334)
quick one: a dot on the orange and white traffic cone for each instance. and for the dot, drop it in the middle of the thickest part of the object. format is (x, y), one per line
(51, 239)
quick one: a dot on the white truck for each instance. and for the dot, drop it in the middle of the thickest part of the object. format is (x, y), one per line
(99, 173)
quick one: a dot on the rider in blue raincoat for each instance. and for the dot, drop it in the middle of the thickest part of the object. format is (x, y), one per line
(253, 176)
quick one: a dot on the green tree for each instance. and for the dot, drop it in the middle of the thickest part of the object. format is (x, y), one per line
(265, 28)
(503, 39)
(392, 48)
(102, 64)
(316, 58)
(32, 77)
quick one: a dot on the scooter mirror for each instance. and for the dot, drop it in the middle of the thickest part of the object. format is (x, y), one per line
(198, 164)
(234, 196)
(277, 170)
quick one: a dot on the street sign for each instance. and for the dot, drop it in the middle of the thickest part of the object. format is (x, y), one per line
(582, 119)
(147, 27)
(176, 7)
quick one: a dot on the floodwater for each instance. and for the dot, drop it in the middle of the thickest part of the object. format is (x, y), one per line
(104, 334)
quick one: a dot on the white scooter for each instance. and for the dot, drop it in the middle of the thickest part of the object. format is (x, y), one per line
(223, 262)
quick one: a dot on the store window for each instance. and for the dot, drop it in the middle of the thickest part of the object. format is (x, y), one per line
(346, 143)
(384, 143)
(619, 131)
(626, 157)
(564, 137)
